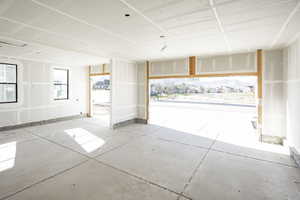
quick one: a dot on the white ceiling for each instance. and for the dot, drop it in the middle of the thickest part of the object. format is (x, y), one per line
(90, 31)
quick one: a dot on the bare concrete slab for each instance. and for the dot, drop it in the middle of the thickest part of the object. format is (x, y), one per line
(140, 162)
(144, 129)
(224, 176)
(16, 135)
(166, 163)
(237, 142)
(93, 181)
(85, 138)
(27, 162)
(261, 151)
(184, 137)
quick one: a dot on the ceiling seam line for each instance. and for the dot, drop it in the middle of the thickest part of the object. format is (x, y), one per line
(211, 2)
(45, 31)
(43, 46)
(285, 24)
(41, 29)
(31, 59)
(83, 21)
(203, 9)
(144, 16)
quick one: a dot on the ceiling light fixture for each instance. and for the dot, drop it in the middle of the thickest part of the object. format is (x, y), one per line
(164, 48)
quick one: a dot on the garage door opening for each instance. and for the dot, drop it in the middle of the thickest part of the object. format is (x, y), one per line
(206, 106)
(100, 99)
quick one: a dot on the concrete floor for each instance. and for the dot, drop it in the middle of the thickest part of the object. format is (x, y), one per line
(102, 113)
(78, 159)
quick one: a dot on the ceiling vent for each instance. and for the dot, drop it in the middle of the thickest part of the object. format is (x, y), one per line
(12, 44)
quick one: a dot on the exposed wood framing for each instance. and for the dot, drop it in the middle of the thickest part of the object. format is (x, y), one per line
(207, 75)
(259, 63)
(192, 65)
(147, 89)
(99, 74)
(89, 94)
(103, 68)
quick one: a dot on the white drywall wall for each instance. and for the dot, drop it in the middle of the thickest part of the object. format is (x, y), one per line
(235, 63)
(124, 91)
(273, 94)
(100, 69)
(142, 90)
(292, 93)
(35, 94)
(169, 67)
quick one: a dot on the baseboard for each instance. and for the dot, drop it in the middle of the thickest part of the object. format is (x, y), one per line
(141, 121)
(130, 121)
(272, 139)
(123, 123)
(295, 155)
(37, 123)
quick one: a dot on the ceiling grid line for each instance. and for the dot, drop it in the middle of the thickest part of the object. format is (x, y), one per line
(285, 24)
(43, 46)
(41, 29)
(101, 29)
(220, 25)
(144, 16)
(205, 8)
(83, 21)
(46, 31)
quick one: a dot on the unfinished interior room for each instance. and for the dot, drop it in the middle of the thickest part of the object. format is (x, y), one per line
(150, 99)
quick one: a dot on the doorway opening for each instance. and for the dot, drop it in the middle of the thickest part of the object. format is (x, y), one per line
(100, 98)
(206, 106)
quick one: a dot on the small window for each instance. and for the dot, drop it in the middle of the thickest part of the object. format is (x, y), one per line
(8, 83)
(61, 84)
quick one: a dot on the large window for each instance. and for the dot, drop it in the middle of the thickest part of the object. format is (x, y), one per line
(8, 83)
(61, 84)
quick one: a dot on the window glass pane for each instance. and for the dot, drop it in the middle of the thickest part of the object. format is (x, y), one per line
(8, 73)
(60, 76)
(60, 91)
(8, 93)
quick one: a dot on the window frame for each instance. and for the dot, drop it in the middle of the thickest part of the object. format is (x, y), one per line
(67, 70)
(7, 83)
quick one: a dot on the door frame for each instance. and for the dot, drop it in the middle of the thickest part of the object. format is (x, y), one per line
(90, 106)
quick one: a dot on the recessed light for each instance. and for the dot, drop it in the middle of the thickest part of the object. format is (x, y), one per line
(127, 15)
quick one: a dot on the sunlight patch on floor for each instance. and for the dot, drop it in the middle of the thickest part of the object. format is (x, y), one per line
(7, 155)
(85, 139)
